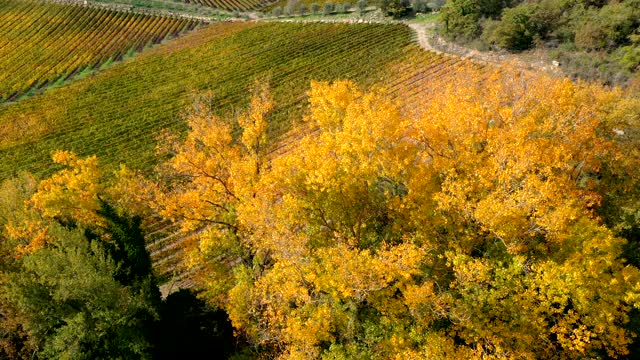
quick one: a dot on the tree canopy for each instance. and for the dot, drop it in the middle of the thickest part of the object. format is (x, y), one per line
(473, 228)
(495, 220)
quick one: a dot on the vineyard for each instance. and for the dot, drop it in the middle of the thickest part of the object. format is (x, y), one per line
(47, 43)
(238, 5)
(301, 179)
(119, 114)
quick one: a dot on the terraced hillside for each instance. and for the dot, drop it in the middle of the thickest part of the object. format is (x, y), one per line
(119, 113)
(43, 42)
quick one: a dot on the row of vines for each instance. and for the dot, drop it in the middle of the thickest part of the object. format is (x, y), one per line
(233, 5)
(42, 43)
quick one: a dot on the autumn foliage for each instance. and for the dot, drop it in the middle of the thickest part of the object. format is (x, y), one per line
(467, 229)
(482, 224)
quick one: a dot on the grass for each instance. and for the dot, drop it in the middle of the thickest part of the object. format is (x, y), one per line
(421, 18)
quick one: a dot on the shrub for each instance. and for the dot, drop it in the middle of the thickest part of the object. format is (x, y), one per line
(420, 6)
(361, 4)
(315, 8)
(461, 17)
(608, 27)
(435, 5)
(328, 8)
(395, 8)
(629, 57)
(519, 27)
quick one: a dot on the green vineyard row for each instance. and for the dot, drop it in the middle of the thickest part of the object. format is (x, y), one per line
(238, 5)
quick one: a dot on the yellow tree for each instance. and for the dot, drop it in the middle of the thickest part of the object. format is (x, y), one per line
(210, 173)
(469, 230)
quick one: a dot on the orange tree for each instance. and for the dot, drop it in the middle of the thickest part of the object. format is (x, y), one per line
(472, 227)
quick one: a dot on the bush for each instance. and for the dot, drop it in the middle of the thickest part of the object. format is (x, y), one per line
(420, 6)
(518, 29)
(608, 27)
(315, 8)
(395, 8)
(277, 11)
(328, 8)
(461, 18)
(361, 4)
(629, 57)
(303, 9)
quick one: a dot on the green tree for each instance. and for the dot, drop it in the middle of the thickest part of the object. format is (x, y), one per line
(518, 27)
(80, 283)
(362, 5)
(327, 8)
(461, 18)
(74, 307)
(395, 8)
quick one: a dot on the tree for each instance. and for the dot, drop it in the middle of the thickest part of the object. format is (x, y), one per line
(81, 285)
(212, 173)
(327, 8)
(467, 231)
(395, 8)
(462, 18)
(14, 340)
(73, 306)
(362, 5)
(518, 28)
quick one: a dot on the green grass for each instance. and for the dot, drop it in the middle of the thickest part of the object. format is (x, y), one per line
(119, 113)
(421, 18)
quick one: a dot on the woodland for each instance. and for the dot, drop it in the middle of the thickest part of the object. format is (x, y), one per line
(592, 39)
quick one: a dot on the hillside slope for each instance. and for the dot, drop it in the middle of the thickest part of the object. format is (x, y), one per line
(118, 114)
(42, 43)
